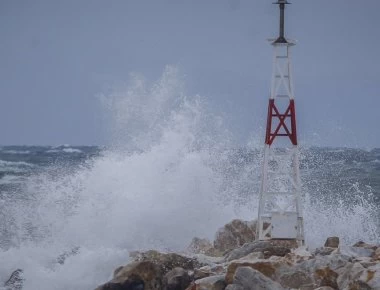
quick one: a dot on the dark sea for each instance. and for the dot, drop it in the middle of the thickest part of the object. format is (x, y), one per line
(93, 205)
(339, 184)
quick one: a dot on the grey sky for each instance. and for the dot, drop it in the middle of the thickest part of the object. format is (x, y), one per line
(56, 56)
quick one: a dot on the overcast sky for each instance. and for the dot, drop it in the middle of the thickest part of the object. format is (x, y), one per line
(57, 56)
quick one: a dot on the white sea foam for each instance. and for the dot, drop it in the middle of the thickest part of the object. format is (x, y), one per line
(15, 166)
(16, 151)
(71, 150)
(11, 179)
(168, 179)
(15, 163)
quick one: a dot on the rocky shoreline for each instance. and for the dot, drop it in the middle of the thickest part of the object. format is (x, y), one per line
(234, 261)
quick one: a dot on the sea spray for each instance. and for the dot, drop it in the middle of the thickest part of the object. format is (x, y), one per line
(172, 172)
(157, 188)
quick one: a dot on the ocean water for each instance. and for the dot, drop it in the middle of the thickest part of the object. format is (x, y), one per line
(69, 215)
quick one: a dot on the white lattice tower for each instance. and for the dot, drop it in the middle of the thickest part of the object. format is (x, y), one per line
(280, 213)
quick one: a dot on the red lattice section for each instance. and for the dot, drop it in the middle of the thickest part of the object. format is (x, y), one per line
(286, 123)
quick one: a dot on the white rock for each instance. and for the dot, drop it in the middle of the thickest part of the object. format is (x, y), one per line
(302, 252)
(203, 259)
(371, 277)
(211, 283)
(253, 256)
(234, 287)
(354, 251)
(348, 274)
(251, 279)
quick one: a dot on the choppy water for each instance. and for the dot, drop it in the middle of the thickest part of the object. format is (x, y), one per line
(172, 173)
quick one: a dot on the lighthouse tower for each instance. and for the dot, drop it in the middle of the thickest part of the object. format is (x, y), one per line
(280, 213)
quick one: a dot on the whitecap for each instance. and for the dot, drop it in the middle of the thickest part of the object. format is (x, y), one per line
(71, 150)
(16, 151)
(11, 179)
(15, 163)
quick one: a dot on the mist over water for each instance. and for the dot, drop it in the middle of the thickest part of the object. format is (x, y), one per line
(173, 172)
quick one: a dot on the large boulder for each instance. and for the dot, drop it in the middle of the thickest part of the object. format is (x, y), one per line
(266, 267)
(168, 261)
(143, 275)
(349, 274)
(207, 271)
(355, 252)
(251, 279)
(324, 270)
(332, 242)
(211, 283)
(295, 279)
(267, 248)
(234, 234)
(201, 246)
(326, 277)
(176, 279)
(148, 270)
(370, 277)
(362, 244)
(323, 251)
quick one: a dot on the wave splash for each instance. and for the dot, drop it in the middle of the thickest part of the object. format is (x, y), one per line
(171, 174)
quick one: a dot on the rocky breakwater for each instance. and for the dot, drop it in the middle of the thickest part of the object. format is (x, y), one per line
(235, 262)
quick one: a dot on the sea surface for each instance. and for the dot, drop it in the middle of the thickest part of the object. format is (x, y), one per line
(85, 204)
(69, 215)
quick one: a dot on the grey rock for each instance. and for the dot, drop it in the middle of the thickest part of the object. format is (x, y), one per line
(332, 242)
(334, 262)
(370, 277)
(176, 279)
(126, 285)
(234, 287)
(356, 251)
(253, 256)
(143, 275)
(211, 283)
(234, 234)
(15, 281)
(323, 251)
(349, 273)
(296, 279)
(324, 270)
(202, 273)
(268, 248)
(251, 279)
(246, 249)
(200, 246)
(362, 244)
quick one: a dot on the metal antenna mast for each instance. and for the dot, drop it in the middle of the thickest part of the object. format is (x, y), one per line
(280, 214)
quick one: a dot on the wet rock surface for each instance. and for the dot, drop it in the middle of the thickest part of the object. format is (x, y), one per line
(332, 242)
(248, 264)
(176, 279)
(234, 234)
(15, 280)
